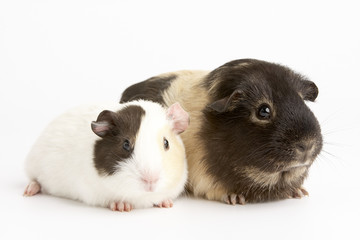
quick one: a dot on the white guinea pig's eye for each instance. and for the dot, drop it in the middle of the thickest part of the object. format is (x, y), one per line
(166, 144)
(264, 112)
(126, 145)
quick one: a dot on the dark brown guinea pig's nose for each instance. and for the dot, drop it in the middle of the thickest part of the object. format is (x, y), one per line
(305, 149)
(303, 146)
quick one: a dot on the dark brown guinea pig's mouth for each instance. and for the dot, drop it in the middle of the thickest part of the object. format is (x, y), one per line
(292, 173)
(295, 167)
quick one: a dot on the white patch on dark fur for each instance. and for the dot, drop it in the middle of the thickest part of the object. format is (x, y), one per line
(262, 178)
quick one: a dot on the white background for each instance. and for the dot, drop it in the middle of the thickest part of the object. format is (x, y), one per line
(58, 54)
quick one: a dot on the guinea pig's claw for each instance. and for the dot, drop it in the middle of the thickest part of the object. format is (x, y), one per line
(32, 189)
(121, 206)
(168, 203)
(234, 199)
(299, 193)
(304, 192)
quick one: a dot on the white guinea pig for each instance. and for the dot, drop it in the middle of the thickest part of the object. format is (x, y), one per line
(135, 159)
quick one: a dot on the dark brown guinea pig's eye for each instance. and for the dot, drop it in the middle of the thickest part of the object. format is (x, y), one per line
(264, 112)
(126, 145)
(166, 144)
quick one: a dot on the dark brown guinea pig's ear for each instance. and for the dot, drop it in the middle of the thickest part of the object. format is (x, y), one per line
(227, 104)
(104, 123)
(308, 90)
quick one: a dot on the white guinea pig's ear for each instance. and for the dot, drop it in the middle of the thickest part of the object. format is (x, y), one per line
(227, 104)
(104, 123)
(178, 117)
(308, 90)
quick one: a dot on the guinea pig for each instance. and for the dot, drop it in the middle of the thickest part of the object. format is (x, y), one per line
(252, 137)
(131, 157)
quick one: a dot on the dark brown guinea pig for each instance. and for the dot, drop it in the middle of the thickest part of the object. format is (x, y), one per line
(252, 138)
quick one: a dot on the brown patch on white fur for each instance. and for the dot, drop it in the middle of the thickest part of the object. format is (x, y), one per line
(186, 86)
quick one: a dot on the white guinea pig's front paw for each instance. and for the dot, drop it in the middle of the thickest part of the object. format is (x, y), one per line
(32, 189)
(168, 203)
(121, 206)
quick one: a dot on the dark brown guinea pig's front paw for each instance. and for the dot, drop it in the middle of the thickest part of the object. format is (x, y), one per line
(233, 199)
(299, 193)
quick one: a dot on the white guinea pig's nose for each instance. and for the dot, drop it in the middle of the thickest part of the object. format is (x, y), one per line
(150, 180)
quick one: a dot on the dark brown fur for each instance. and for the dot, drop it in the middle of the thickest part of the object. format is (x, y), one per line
(150, 89)
(124, 125)
(269, 147)
(236, 140)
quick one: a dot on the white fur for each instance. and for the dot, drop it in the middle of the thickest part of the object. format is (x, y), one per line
(62, 160)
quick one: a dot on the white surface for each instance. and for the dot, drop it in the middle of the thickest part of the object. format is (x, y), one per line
(58, 54)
